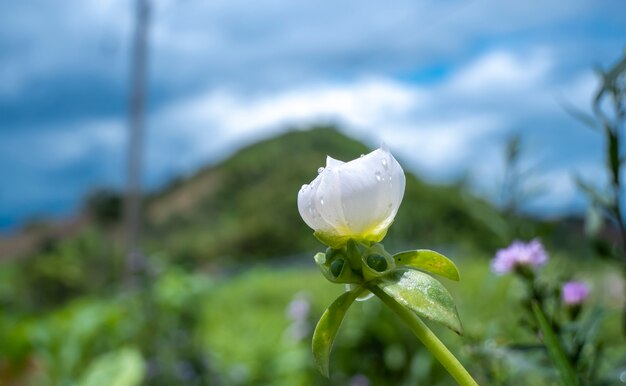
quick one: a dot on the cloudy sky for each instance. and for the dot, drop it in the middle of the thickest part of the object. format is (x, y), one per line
(442, 82)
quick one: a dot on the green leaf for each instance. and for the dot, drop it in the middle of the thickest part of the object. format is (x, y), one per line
(594, 194)
(429, 261)
(581, 116)
(122, 367)
(555, 350)
(327, 328)
(594, 221)
(422, 294)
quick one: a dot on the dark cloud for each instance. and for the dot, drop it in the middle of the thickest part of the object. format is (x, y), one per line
(61, 99)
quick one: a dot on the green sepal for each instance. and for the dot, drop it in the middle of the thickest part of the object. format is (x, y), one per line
(331, 240)
(429, 261)
(327, 327)
(320, 258)
(422, 294)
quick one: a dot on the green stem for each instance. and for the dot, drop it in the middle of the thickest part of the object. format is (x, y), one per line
(428, 338)
(555, 349)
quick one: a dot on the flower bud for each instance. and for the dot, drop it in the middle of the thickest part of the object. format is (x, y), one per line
(574, 293)
(336, 267)
(377, 262)
(353, 200)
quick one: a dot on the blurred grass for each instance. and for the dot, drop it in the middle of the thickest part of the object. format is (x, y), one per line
(242, 329)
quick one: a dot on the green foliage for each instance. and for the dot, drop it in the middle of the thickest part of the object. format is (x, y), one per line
(407, 291)
(257, 347)
(555, 350)
(122, 367)
(327, 328)
(63, 314)
(422, 294)
(105, 206)
(64, 270)
(429, 261)
(609, 108)
(240, 331)
(87, 337)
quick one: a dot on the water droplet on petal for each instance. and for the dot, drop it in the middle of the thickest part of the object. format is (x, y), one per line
(362, 155)
(321, 169)
(385, 163)
(322, 200)
(378, 176)
(304, 187)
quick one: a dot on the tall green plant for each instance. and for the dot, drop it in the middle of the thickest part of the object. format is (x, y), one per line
(350, 206)
(609, 117)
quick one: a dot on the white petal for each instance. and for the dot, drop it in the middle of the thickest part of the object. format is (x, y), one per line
(328, 200)
(331, 162)
(358, 197)
(389, 207)
(397, 181)
(366, 192)
(398, 184)
(307, 208)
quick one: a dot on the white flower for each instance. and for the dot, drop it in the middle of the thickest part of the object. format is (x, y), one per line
(357, 199)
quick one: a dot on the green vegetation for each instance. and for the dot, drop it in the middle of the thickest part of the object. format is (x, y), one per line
(240, 330)
(230, 293)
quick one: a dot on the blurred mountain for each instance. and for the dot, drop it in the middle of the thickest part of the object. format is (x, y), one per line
(244, 210)
(246, 207)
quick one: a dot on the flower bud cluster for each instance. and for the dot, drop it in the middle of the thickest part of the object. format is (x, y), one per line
(355, 262)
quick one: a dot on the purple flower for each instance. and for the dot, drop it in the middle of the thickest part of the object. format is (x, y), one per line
(519, 254)
(574, 293)
(359, 380)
